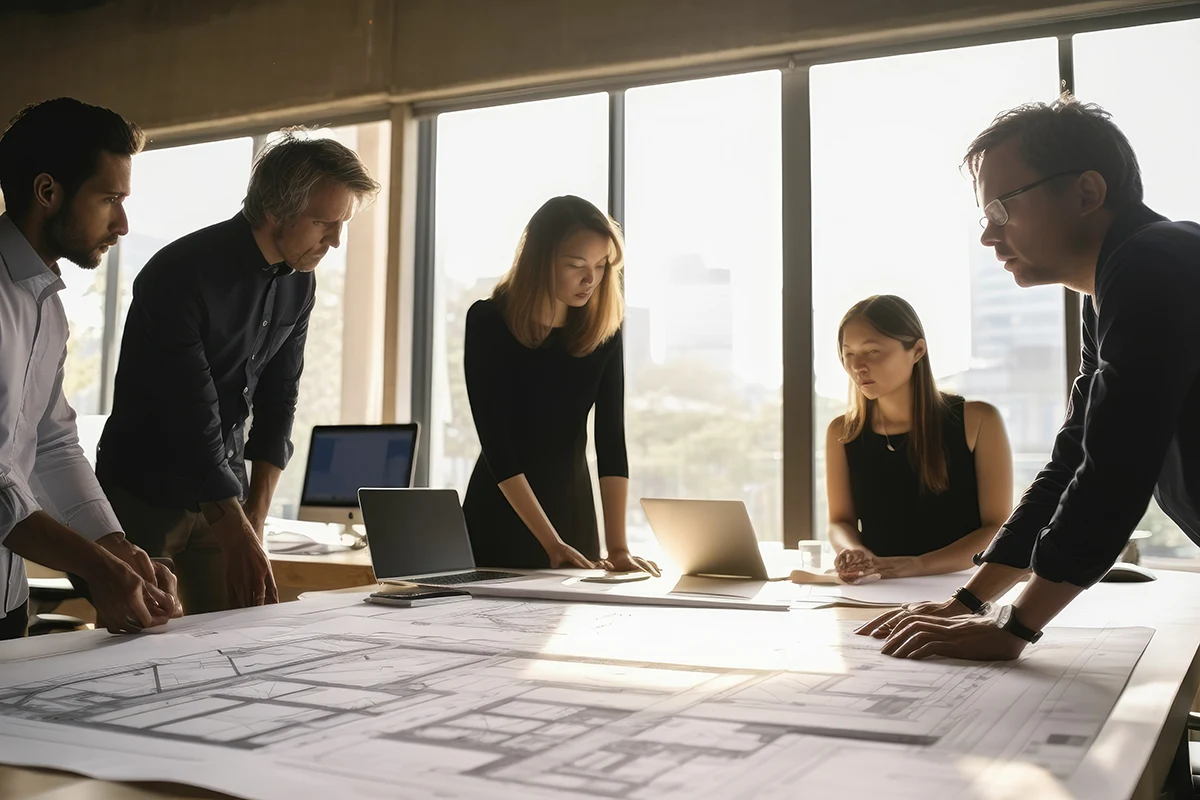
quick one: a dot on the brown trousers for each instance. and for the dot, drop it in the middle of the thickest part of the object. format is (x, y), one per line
(182, 536)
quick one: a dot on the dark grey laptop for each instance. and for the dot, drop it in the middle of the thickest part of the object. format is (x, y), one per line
(420, 536)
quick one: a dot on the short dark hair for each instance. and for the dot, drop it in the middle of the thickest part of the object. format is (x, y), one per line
(62, 138)
(287, 171)
(1062, 137)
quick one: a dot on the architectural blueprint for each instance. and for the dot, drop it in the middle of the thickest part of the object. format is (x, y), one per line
(500, 699)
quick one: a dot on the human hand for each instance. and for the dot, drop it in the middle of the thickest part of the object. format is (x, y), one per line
(119, 596)
(883, 625)
(563, 555)
(162, 589)
(855, 564)
(973, 638)
(248, 574)
(622, 561)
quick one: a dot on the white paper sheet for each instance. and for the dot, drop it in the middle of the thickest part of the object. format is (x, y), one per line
(504, 699)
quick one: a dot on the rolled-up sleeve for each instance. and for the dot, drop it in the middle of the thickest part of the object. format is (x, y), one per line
(62, 473)
(17, 502)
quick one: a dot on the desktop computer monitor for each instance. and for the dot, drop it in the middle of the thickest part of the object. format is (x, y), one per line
(345, 458)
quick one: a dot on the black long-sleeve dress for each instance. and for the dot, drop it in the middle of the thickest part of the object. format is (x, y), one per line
(531, 407)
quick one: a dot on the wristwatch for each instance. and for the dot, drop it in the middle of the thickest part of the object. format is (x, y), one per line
(973, 603)
(1007, 621)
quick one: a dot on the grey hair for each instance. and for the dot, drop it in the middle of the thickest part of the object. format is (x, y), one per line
(286, 172)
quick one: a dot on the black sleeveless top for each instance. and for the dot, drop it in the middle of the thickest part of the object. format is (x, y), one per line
(896, 517)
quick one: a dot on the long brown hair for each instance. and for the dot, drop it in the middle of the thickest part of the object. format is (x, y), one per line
(527, 290)
(894, 318)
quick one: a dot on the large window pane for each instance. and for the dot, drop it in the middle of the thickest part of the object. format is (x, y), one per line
(703, 334)
(893, 214)
(495, 167)
(83, 300)
(177, 190)
(334, 367)
(1146, 76)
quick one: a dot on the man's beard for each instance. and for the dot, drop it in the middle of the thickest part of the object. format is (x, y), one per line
(67, 240)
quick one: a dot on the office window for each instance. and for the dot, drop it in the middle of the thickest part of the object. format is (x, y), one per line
(343, 355)
(83, 300)
(177, 190)
(703, 332)
(893, 214)
(495, 167)
(1146, 77)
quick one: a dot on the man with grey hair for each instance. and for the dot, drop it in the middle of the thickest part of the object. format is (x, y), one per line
(216, 330)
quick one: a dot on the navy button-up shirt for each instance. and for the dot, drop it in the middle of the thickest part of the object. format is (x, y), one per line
(214, 332)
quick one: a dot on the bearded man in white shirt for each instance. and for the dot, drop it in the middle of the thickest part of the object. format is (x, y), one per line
(65, 172)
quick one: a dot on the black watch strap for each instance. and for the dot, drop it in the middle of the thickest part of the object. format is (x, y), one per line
(968, 599)
(1010, 623)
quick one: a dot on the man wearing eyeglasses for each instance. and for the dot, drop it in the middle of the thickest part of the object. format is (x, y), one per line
(1062, 197)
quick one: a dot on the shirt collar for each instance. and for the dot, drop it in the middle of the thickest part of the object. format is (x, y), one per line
(25, 266)
(252, 255)
(1124, 226)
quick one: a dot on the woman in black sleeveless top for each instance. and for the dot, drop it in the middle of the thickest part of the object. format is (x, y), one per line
(918, 480)
(539, 355)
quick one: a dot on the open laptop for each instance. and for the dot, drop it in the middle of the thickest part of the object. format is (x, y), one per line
(420, 536)
(710, 538)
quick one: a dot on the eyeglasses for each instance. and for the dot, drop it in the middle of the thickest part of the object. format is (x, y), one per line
(995, 211)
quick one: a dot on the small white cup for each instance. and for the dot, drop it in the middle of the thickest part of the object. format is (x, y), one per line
(812, 555)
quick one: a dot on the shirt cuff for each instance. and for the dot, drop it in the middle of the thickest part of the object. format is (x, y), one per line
(220, 484)
(273, 448)
(17, 504)
(1008, 548)
(1050, 564)
(94, 520)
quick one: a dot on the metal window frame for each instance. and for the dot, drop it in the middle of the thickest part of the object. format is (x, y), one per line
(1072, 302)
(424, 287)
(798, 424)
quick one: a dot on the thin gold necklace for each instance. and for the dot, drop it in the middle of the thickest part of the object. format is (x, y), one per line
(883, 424)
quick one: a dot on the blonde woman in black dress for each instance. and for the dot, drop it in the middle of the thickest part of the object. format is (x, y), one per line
(540, 353)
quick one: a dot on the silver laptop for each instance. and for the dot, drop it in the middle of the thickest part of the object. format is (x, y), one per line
(420, 536)
(713, 538)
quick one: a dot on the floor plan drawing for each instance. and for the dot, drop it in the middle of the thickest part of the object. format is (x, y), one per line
(514, 699)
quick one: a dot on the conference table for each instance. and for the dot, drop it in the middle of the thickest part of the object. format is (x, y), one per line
(1132, 755)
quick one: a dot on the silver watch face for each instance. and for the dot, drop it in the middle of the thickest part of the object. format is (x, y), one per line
(1005, 615)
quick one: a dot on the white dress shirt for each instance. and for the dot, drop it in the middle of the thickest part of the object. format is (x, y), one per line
(42, 466)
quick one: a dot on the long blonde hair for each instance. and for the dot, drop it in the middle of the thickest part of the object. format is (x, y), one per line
(894, 318)
(526, 291)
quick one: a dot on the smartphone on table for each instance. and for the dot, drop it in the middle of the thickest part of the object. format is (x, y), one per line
(616, 577)
(409, 596)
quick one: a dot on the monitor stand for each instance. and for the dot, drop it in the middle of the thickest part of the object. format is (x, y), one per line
(358, 540)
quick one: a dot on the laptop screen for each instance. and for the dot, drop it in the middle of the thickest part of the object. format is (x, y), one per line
(345, 458)
(415, 532)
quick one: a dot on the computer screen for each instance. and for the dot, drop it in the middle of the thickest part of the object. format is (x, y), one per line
(345, 458)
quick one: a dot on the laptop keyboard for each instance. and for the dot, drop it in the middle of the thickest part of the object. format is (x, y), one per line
(467, 577)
